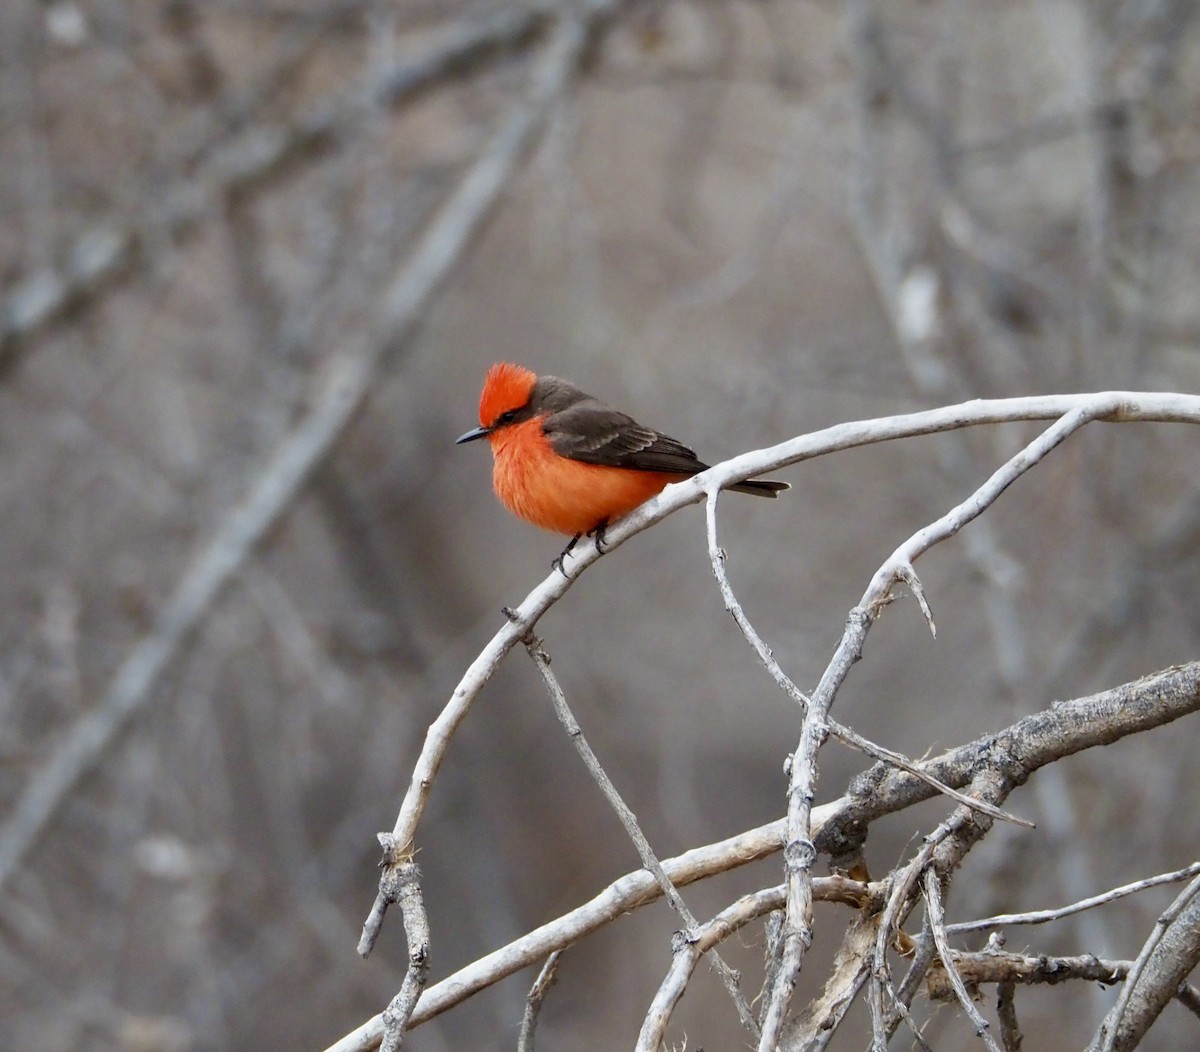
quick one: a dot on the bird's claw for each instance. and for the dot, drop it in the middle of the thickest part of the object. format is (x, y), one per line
(558, 564)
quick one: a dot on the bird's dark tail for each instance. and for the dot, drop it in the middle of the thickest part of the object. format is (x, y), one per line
(761, 487)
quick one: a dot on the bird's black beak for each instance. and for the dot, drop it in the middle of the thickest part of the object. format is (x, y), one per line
(474, 433)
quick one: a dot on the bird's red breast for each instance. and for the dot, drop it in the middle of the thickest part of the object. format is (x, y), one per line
(559, 494)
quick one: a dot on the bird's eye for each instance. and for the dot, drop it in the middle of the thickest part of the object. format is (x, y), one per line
(506, 418)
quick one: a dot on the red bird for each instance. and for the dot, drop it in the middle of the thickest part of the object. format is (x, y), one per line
(567, 462)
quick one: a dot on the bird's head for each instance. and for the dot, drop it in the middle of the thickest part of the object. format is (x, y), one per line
(506, 399)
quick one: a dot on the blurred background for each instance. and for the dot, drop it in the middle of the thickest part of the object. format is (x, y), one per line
(739, 220)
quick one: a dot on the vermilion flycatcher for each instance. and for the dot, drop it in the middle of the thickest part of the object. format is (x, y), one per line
(567, 462)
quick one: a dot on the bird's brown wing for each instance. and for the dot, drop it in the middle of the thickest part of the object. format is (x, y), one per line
(595, 433)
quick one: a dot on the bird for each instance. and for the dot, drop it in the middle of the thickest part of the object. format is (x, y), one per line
(571, 464)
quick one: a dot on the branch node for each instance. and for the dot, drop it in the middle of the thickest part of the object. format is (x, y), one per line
(906, 573)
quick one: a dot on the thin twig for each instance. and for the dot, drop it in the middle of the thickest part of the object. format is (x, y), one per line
(1005, 920)
(533, 1001)
(901, 899)
(902, 996)
(937, 924)
(630, 823)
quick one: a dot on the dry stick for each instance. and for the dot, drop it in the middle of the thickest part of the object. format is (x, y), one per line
(337, 392)
(406, 891)
(990, 966)
(717, 557)
(1037, 740)
(1180, 924)
(535, 999)
(1004, 920)
(1006, 1012)
(937, 923)
(689, 948)
(800, 853)
(629, 820)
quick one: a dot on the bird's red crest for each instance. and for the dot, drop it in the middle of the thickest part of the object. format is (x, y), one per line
(506, 387)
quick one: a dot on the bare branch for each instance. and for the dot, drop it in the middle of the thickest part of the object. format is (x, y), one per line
(815, 1025)
(799, 854)
(1004, 920)
(992, 966)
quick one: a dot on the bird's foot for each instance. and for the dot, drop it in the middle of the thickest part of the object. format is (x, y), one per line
(558, 563)
(597, 532)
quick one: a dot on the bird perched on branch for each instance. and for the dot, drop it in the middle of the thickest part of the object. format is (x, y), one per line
(568, 462)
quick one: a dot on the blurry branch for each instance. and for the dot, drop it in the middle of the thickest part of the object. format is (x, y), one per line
(255, 154)
(1009, 756)
(337, 392)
